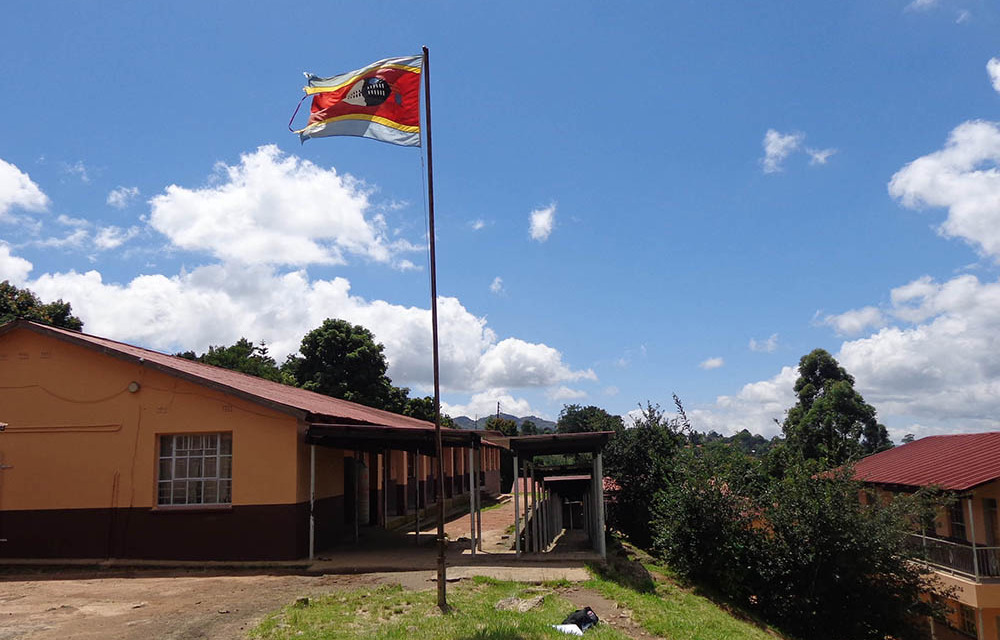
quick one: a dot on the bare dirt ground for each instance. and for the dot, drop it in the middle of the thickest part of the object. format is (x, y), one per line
(172, 607)
(155, 604)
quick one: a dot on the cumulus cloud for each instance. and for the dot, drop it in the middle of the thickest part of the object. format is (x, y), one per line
(542, 223)
(755, 407)
(113, 237)
(218, 304)
(712, 363)
(17, 190)
(993, 69)
(777, 147)
(855, 321)
(564, 393)
(496, 286)
(122, 196)
(12, 267)
(820, 156)
(764, 346)
(485, 404)
(964, 178)
(273, 208)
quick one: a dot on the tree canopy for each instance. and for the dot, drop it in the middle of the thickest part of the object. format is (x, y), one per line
(575, 418)
(343, 360)
(243, 356)
(830, 419)
(23, 303)
(505, 426)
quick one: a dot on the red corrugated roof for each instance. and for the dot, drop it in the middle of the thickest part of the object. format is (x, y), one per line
(956, 462)
(250, 387)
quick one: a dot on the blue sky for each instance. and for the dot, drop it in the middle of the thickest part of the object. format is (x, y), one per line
(633, 199)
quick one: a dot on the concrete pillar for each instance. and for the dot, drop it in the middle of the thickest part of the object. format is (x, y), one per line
(517, 509)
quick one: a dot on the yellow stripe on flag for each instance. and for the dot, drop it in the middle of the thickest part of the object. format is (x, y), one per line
(363, 116)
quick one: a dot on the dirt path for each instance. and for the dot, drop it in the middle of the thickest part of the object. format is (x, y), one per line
(608, 611)
(176, 607)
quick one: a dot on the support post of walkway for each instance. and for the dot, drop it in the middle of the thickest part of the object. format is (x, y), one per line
(472, 501)
(599, 472)
(416, 492)
(312, 501)
(527, 514)
(517, 509)
(479, 498)
(534, 510)
(386, 461)
(357, 496)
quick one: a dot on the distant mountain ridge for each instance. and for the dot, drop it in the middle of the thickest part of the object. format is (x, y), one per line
(465, 422)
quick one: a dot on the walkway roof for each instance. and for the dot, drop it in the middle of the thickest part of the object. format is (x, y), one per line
(556, 443)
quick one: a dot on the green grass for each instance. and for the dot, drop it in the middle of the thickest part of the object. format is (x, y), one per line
(664, 608)
(391, 613)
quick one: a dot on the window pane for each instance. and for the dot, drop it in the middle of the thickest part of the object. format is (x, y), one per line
(226, 443)
(181, 468)
(225, 491)
(211, 444)
(226, 467)
(166, 445)
(194, 468)
(211, 467)
(211, 492)
(163, 494)
(194, 492)
(180, 492)
(165, 469)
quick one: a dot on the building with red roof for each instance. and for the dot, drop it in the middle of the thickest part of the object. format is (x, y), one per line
(111, 450)
(963, 545)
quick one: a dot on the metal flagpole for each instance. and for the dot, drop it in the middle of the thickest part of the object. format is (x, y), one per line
(441, 579)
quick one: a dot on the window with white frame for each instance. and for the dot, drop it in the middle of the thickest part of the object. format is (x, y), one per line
(195, 469)
(968, 619)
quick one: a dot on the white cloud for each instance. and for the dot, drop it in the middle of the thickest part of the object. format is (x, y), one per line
(755, 407)
(277, 209)
(542, 223)
(819, 156)
(963, 177)
(218, 304)
(565, 393)
(484, 404)
(921, 5)
(17, 190)
(712, 363)
(496, 286)
(993, 69)
(777, 147)
(12, 267)
(855, 321)
(113, 237)
(77, 169)
(66, 220)
(611, 391)
(963, 16)
(73, 240)
(122, 196)
(477, 224)
(764, 346)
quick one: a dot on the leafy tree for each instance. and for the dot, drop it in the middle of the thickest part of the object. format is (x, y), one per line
(343, 360)
(503, 425)
(640, 460)
(22, 303)
(830, 419)
(243, 356)
(529, 428)
(800, 550)
(575, 418)
(423, 409)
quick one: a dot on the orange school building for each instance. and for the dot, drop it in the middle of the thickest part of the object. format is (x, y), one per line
(108, 450)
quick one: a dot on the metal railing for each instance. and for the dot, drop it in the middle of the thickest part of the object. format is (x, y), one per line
(956, 557)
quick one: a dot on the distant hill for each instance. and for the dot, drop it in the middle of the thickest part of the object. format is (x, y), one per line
(465, 422)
